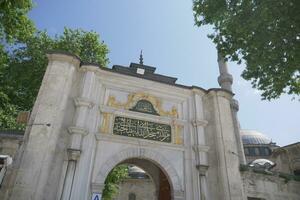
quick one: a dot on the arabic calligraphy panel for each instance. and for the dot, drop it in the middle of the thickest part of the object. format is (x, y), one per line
(142, 129)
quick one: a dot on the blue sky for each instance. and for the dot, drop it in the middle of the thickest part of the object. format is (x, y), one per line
(165, 31)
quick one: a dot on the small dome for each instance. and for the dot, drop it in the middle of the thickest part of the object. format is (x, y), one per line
(254, 137)
(262, 163)
(137, 173)
(135, 169)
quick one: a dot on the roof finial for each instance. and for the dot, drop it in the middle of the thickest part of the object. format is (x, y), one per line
(141, 58)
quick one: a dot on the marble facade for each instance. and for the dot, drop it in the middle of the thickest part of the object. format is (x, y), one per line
(71, 158)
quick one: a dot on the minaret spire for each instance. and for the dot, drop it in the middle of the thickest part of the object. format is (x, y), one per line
(225, 79)
(141, 58)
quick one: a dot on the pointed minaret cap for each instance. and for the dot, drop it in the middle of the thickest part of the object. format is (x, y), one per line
(141, 58)
(225, 79)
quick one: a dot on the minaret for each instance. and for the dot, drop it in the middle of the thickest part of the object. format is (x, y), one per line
(225, 79)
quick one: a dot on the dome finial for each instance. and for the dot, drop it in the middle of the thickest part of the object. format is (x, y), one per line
(141, 58)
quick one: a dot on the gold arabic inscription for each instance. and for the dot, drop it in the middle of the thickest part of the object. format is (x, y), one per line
(142, 129)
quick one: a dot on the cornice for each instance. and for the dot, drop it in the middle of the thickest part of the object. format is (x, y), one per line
(82, 102)
(63, 56)
(77, 130)
(198, 122)
(201, 148)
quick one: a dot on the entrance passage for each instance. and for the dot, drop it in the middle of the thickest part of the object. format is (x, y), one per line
(144, 180)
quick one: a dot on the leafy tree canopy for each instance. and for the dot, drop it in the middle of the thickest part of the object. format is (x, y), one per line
(26, 63)
(14, 25)
(265, 34)
(14, 22)
(23, 62)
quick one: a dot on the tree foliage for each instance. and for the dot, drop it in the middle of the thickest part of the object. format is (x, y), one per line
(22, 75)
(14, 22)
(23, 63)
(14, 26)
(112, 181)
(265, 34)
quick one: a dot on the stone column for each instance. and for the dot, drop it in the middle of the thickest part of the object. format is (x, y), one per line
(82, 140)
(200, 146)
(40, 165)
(230, 182)
(235, 108)
(73, 156)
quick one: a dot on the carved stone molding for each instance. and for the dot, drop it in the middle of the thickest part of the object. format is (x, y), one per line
(202, 169)
(83, 102)
(295, 164)
(106, 121)
(73, 154)
(200, 148)
(225, 78)
(142, 153)
(133, 98)
(178, 194)
(199, 122)
(77, 130)
(97, 187)
(178, 134)
(234, 105)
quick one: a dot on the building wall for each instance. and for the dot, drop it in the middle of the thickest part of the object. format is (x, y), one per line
(144, 189)
(269, 187)
(71, 158)
(10, 144)
(287, 159)
(257, 151)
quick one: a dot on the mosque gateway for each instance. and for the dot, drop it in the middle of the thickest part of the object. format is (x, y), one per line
(180, 142)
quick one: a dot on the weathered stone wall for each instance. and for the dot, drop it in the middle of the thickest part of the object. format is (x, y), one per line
(9, 144)
(269, 187)
(287, 159)
(142, 188)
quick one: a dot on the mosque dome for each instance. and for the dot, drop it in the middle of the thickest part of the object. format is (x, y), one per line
(135, 169)
(137, 173)
(254, 137)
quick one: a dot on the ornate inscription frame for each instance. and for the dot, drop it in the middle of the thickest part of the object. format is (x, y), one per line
(137, 128)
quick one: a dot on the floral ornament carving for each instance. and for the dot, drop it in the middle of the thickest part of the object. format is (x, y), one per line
(132, 99)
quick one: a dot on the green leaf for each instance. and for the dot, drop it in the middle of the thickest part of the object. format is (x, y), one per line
(263, 34)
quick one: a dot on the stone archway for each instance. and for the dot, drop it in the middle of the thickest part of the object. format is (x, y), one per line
(177, 192)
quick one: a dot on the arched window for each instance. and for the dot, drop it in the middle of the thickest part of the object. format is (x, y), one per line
(131, 196)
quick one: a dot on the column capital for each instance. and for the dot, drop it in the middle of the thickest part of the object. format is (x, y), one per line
(73, 154)
(202, 169)
(77, 130)
(199, 122)
(64, 57)
(83, 102)
(200, 148)
(178, 194)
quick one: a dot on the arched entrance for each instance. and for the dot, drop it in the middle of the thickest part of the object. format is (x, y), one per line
(145, 181)
(170, 185)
